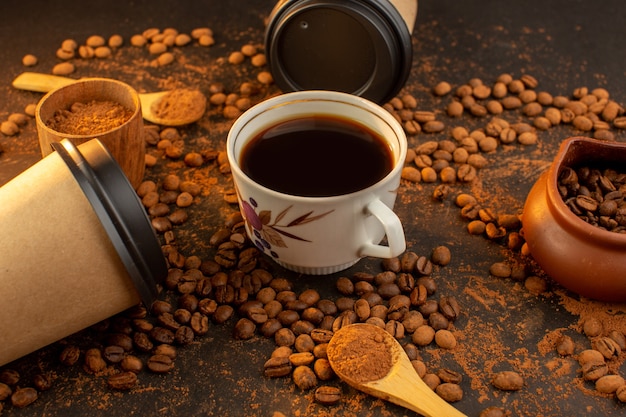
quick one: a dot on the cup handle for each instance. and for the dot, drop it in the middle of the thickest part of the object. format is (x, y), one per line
(393, 230)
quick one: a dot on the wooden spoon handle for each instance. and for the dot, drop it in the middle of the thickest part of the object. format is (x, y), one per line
(405, 388)
(42, 83)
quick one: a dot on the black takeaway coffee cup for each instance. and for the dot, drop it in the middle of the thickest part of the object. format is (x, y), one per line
(361, 47)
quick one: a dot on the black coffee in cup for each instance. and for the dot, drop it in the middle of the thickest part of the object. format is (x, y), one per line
(317, 156)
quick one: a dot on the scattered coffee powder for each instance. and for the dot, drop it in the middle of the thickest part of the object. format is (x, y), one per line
(89, 118)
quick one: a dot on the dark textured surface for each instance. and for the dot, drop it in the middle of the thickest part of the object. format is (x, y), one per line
(564, 44)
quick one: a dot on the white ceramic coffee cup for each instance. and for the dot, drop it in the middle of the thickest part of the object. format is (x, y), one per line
(320, 235)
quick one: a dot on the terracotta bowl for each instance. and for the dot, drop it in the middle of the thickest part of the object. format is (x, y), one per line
(580, 256)
(126, 142)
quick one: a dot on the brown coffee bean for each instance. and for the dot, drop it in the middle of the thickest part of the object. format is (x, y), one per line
(270, 327)
(455, 109)
(94, 363)
(302, 327)
(423, 335)
(450, 376)
(362, 309)
(223, 313)
(592, 327)
(431, 380)
(609, 384)
(162, 335)
(23, 397)
(287, 317)
(131, 363)
(323, 370)
(327, 395)
(418, 295)
(466, 173)
(304, 343)
(391, 264)
(142, 342)
(321, 335)
(166, 350)
(160, 364)
(42, 382)
(423, 266)
(277, 366)
(387, 291)
(619, 338)
(449, 392)
(114, 354)
(207, 306)
(244, 329)
(284, 337)
(449, 307)
(590, 355)
(433, 126)
(511, 102)
(167, 321)
(199, 323)
(122, 381)
(429, 307)
(412, 320)
(398, 307)
(395, 328)
(500, 270)
(304, 377)
(445, 339)
(184, 335)
(363, 287)
(494, 412)
(565, 346)
(607, 347)
(69, 355)
(437, 321)
(5, 391)
(594, 370)
(508, 381)
(301, 358)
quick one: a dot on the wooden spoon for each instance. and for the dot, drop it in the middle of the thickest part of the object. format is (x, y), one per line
(371, 360)
(188, 105)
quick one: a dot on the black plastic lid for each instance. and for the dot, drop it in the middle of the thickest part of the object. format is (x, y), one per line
(362, 47)
(119, 210)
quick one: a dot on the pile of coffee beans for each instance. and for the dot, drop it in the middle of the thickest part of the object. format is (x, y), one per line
(595, 195)
(402, 299)
(238, 288)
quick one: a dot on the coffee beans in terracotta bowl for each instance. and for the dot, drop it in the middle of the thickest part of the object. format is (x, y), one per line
(574, 219)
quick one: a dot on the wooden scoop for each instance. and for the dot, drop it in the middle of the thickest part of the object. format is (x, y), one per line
(168, 108)
(371, 360)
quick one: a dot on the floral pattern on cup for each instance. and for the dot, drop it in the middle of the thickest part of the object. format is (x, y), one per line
(270, 233)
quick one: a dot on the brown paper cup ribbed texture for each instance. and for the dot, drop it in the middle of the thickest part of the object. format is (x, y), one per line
(59, 271)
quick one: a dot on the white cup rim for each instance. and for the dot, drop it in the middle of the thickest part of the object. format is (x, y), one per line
(322, 95)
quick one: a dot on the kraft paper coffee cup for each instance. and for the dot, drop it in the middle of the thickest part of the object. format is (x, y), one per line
(77, 247)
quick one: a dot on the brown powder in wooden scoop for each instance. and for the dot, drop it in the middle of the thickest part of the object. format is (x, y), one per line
(180, 104)
(363, 356)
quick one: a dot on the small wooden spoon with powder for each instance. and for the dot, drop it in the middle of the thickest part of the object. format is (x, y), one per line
(168, 108)
(371, 360)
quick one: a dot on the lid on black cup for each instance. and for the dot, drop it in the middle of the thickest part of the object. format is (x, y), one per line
(119, 210)
(362, 47)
